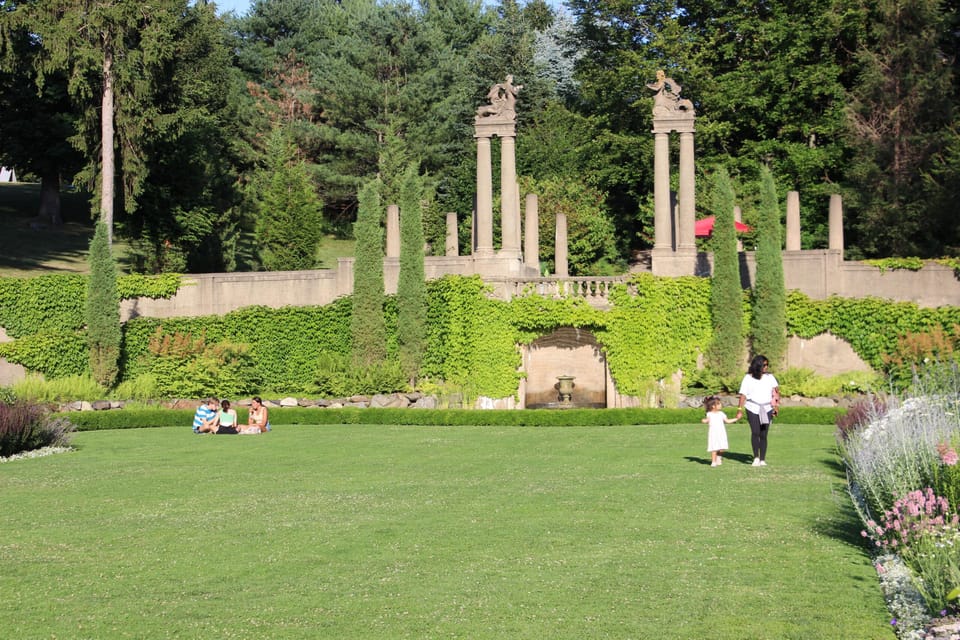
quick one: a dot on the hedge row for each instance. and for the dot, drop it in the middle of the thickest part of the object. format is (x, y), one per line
(142, 418)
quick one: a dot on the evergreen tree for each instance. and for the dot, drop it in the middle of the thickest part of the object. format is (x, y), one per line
(726, 298)
(103, 310)
(412, 286)
(768, 329)
(900, 117)
(109, 51)
(290, 220)
(368, 329)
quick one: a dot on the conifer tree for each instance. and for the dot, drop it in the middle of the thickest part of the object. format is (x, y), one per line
(290, 220)
(768, 329)
(412, 286)
(726, 297)
(103, 310)
(367, 325)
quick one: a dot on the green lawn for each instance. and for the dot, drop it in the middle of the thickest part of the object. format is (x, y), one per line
(434, 532)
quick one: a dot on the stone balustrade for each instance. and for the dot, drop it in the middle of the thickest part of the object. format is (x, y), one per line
(594, 289)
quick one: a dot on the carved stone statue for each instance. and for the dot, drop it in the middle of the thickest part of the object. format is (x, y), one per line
(667, 101)
(503, 101)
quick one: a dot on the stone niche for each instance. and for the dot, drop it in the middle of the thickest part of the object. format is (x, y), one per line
(568, 351)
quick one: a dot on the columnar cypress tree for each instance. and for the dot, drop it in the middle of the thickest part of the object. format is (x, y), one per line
(412, 286)
(367, 325)
(768, 329)
(726, 297)
(103, 309)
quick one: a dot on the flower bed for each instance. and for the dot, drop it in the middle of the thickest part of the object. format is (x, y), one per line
(904, 480)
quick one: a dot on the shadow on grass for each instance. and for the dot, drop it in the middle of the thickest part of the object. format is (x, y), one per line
(731, 456)
(843, 523)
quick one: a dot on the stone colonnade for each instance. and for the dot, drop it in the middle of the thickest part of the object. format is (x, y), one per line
(509, 192)
(497, 119)
(674, 248)
(834, 223)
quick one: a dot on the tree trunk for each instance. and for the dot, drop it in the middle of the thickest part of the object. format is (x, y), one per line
(106, 143)
(50, 198)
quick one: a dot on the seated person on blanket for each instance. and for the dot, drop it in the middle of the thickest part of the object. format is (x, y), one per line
(258, 421)
(205, 420)
(228, 419)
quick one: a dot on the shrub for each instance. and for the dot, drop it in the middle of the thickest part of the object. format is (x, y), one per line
(337, 377)
(858, 416)
(153, 417)
(806, 383)
(188, 367)
(25, 427)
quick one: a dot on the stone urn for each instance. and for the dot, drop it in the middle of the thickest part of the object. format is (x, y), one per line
(565, 386)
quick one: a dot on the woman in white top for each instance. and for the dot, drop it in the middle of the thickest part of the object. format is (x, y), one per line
(760, 395)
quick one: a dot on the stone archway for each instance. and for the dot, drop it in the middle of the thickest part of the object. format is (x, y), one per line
(566, 351)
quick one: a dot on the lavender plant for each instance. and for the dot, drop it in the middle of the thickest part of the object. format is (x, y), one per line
(24, 427)
(897, 452)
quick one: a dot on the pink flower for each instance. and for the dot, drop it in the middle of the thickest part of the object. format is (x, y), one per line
(948, 455)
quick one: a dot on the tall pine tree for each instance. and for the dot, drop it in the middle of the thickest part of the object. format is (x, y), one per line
(726, 297)
(768, 327)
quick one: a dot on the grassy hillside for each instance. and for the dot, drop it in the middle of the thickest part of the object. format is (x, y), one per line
(27, 248)
(31, 249)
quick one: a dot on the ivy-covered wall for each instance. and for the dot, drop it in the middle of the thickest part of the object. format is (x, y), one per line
(654, 327)
(46, 315)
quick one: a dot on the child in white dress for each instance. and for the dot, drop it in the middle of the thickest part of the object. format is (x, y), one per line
(717, 431)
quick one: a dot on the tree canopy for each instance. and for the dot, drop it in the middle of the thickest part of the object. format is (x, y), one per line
(834, 96)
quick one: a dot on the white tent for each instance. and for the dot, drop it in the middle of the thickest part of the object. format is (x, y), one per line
(7, 174)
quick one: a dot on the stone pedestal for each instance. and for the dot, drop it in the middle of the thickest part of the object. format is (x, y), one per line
(531, 239)
(452, 241)
(393, 231)
(560, 252)
(793, 221)
(835, 222)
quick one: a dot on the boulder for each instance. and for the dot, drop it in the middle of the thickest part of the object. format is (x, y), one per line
(100, 405)
(288, 402)
(390, 401)
(426, 402)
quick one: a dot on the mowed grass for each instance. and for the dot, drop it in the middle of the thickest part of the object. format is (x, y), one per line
(424, 532)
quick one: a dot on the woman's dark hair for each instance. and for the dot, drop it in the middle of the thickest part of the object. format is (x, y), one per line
(225, 404)
(757, 365)
(257, 398)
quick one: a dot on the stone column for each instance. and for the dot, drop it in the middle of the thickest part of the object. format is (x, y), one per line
(738, 217)
(836, 223)
(531, 239)
(793, 221)
(560, 247)
(453, 235)
(509, 216)
(662, 232)
(484, 228)
(393, 231)
(686, 241)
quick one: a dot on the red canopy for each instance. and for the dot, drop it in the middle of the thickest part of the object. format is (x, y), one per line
(704, 227)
